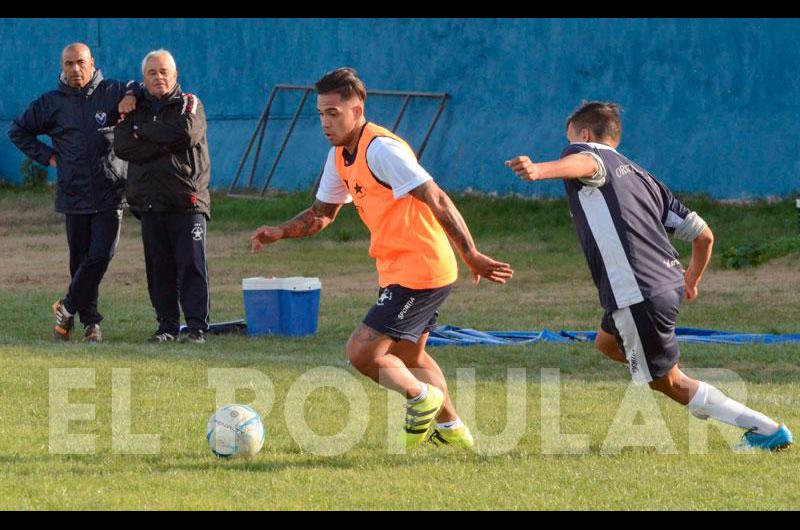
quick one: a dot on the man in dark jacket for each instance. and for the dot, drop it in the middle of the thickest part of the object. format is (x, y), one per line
(91, 181)
(164, 141)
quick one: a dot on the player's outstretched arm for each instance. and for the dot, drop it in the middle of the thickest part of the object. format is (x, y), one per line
(701, 255)
(575, 166)
(306, 223)
(456, 228)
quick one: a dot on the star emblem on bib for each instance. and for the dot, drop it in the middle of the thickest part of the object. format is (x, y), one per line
(358, 189)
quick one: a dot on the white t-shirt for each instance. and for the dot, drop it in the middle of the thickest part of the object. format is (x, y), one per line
(389, 160)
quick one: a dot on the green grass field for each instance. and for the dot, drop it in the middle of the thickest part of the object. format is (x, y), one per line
(171, 398)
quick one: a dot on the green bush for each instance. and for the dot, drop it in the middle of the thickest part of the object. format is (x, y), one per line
(34, 176)
(752, 254)
(342, 236)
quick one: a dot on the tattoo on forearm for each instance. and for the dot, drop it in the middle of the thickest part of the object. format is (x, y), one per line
(447, 214)
(455, 227)
(310, 221)
(304, 224)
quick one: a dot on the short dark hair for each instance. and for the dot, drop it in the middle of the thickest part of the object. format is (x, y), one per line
(601, 117)
(343, 81)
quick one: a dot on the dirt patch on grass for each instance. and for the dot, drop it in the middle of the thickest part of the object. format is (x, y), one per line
(780, 274)
(42, 261)
(38, 262)
(27, 214)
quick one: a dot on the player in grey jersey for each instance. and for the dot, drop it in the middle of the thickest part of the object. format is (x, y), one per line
(623, 216)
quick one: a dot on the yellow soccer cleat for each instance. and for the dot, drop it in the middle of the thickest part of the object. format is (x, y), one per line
(420, 416)
(458, 437)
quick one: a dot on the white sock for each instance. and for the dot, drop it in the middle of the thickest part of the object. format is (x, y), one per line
(422, 395)
(708, 402)
(64, 310)
(455, 424)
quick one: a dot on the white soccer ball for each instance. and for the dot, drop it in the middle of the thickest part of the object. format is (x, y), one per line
(235, 431)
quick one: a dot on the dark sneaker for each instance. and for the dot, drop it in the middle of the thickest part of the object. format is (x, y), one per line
(161, 336)
(62, 330)
(93, 334)
(194, 336)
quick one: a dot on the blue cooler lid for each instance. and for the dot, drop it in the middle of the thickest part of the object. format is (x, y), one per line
(294, 283)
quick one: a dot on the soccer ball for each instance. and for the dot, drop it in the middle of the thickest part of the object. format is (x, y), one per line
(235, 431)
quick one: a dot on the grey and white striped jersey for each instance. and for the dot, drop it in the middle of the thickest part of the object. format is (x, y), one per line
(623, 216)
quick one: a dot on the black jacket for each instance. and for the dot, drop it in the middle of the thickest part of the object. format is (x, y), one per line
(169, 167)
(89, 179)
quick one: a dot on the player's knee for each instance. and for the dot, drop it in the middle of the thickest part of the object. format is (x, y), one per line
(600, 344)
(357, 354)
(609, 348)
(670, 384)
(352, 351)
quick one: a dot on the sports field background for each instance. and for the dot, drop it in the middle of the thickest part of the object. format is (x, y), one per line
(551, 289)
(512, 82)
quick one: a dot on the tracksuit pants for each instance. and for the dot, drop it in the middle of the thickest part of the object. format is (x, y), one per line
(177, 272)
(92, 240)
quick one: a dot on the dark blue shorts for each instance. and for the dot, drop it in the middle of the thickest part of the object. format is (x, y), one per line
(646, 333)
(406, 314)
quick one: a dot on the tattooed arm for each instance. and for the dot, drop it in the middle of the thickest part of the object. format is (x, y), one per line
(306, 223)
(456, 228)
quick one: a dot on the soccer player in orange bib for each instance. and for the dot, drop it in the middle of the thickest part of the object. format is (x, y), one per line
(410, 220)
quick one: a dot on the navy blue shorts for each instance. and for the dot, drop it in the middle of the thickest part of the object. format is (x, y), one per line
(646, 333)
(406, 314)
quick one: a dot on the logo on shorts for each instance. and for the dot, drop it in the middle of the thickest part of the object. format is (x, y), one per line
(100, 118)
(197, 232)
(634, 362)
(385, 295)
(406, 307)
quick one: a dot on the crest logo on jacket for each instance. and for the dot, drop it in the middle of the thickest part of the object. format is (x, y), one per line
(100, 117)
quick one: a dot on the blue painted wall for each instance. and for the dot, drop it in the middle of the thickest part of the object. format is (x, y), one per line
(710, 106)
